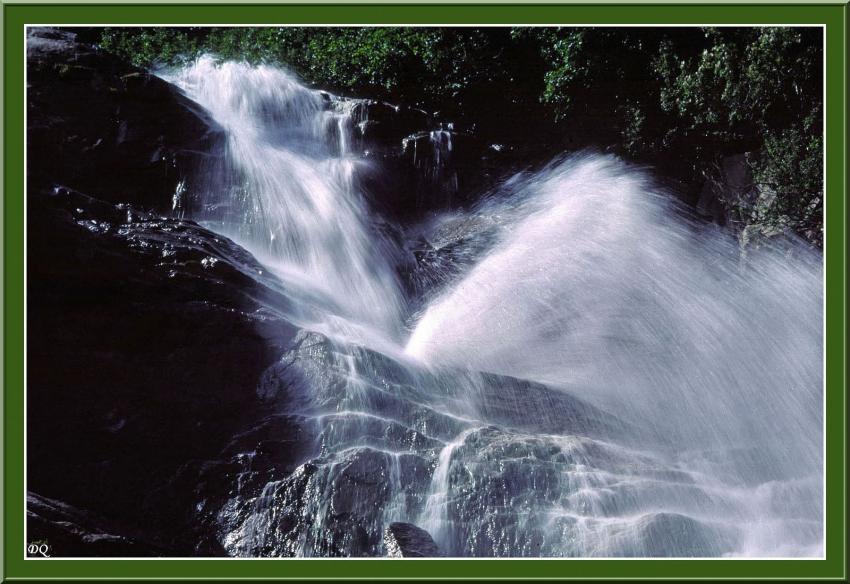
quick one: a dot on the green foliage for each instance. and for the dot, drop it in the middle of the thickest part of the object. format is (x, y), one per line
(680, 98)
(789, 174)
(149, 46)
(684, 98)
(456, 71)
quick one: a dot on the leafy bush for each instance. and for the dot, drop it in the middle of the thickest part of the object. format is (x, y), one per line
(472, 75)
(685, 98)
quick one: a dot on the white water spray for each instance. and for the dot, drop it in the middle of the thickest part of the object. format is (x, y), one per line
(598, 286)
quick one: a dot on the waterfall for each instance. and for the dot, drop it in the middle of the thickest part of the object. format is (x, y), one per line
(285, 187)
(595, 373)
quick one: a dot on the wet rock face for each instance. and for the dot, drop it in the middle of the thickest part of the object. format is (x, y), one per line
(419, 164)
(570, 496)
(108, 129)
(405, 540)
(146, 335)
(433, 169)
(381, 127)
(366, 458)
(146, 340)
(383, 443)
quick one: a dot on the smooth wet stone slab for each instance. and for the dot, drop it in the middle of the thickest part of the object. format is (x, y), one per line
(405, 540)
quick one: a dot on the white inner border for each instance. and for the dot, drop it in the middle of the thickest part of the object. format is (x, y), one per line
(372, 25)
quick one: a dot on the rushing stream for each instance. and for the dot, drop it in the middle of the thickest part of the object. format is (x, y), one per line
(587, 372)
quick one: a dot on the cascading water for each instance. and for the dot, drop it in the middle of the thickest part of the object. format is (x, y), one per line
(673, 402)
(285, 188)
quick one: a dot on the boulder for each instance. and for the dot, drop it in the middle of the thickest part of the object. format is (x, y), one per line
(146, 340)
(405, 540)
(380, 127)
(111, 130)
(435, 169)
(420, 164)
(673, 535)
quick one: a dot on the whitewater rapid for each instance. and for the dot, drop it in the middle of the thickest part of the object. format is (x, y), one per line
(583, 276)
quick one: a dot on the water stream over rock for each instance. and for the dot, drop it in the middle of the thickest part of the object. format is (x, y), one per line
(584, 371)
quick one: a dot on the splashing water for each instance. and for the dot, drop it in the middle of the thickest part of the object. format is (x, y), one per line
(597, 285)
(674, 397)
(285, 188)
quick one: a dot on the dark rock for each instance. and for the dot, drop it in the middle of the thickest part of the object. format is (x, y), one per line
(439, 252)
(226, 488)
(433, 169)
(106, 128)
(556, 488)
(381, 127)
(420, 164)
(405, 540)
(377, 435)
(60, 530)
(146, 340)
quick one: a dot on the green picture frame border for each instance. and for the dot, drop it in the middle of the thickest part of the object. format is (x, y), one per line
(15, 16)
